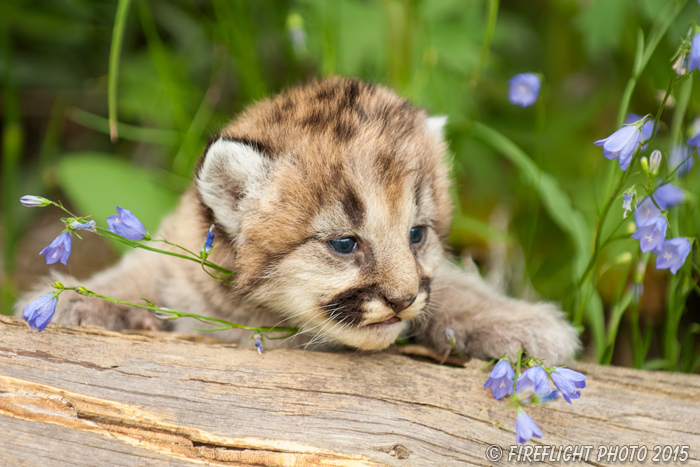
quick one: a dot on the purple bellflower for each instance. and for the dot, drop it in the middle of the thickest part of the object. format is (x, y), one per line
(694, 140)
(32, 201)
(525, 428)
(549, 397)
(647, 128)
(501, 379)
(532, 381)
(58, 250)
(673, 254)
(257, 338)
(621, 145)
(209, 242)
(668, 195)
(38, 314)
(569, 382)
(651, 234)
(694, 61)
(127, 225)
(645, 211)
(524, 89)
(683, 157)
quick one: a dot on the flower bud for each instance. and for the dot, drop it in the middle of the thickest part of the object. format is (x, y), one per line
(654, 162)
(90, 226)
(645, 165)
(450, 337)
(82, 290)
(57, 285)
(164, 313)
(32, 201)
(680, 66)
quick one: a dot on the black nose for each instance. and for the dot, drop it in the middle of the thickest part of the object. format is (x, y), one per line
(400, 304)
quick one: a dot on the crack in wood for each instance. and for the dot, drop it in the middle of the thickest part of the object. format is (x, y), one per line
(39, 403)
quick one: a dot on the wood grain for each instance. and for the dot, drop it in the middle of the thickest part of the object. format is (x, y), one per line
(72, 396)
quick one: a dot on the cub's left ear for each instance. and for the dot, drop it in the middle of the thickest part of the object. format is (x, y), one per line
(230, 170)
(436, 126)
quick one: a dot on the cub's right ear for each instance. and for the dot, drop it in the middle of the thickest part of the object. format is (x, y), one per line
(228, 171)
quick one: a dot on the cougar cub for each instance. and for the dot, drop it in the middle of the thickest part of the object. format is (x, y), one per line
(331, 204)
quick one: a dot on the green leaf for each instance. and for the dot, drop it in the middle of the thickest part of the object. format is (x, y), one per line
(480, 229)
(96, 183)
(555, 200)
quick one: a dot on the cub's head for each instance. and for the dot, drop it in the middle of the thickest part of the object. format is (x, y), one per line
(335, 199)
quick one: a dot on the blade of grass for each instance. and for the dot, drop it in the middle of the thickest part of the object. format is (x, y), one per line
(127, 132)
(190, 149)
(488, 36)
(113, 73)
(480, 228)
(556, 201)
(166, 74)
(234, 21)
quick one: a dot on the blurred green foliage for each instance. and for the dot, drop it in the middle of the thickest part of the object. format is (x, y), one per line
(187, 66)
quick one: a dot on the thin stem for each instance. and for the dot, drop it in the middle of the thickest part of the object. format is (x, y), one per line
(181, 314)
(109, 234)
(601, 222)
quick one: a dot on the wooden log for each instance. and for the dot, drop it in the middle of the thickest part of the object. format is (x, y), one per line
(85, 396)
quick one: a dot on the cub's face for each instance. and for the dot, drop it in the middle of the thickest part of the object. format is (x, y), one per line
(335, 198)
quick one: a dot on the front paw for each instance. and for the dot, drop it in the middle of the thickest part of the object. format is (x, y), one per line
(538, 328)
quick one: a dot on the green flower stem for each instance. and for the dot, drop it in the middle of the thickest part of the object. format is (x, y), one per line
(614, 193)
(134, 244)
(632, 82)
(643, 54)
(178, 246)
(518, 364)
(603, 216)
(216, 277)
(174, 314)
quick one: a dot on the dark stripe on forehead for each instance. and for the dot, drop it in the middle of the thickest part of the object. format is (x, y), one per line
(417, 190)
(354, 207)
(351, 93)
(344, 131)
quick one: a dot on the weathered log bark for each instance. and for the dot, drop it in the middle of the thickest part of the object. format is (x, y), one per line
(89, 397)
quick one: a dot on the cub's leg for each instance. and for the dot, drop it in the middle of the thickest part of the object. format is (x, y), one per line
(133, 278)
(487, 324)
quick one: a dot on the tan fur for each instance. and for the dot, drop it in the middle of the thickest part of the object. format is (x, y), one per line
(333, 159)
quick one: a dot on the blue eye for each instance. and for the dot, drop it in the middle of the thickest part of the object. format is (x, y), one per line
(343, 245)
(416, 235)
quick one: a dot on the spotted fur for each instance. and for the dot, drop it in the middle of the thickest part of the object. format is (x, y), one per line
(333, 159)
